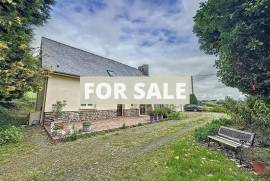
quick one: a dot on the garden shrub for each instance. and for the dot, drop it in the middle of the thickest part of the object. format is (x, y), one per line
(214, 108)
(10, 134)
(10, 118)
(253, 114)
(72, 137)
(211, 128)
(175, 116)
(164, 112)
(16, 112)
(263, 138)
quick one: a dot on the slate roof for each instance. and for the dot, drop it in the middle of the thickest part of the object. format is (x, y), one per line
(65, 59)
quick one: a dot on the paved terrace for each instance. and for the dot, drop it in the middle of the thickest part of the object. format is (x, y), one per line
(102, 124)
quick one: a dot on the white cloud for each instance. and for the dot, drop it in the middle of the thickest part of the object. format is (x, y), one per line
(102, 33)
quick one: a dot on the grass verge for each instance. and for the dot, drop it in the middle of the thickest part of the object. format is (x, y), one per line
(191, 161)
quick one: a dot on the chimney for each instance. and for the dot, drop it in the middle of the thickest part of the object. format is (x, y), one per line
(144, 69)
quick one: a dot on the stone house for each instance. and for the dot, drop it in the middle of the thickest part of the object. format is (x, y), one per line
(66, 65)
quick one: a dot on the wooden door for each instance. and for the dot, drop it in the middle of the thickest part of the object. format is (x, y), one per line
(142, 109)
(119, 109)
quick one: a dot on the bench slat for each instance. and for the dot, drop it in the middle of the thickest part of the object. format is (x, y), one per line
(226, 141)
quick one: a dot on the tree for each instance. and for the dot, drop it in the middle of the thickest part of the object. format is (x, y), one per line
(193, 99)
(238, 33)
(20, 71)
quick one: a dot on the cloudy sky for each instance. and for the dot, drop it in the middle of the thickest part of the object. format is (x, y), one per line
(135, 32)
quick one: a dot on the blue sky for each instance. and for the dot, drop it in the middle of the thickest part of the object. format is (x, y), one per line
(156, 32)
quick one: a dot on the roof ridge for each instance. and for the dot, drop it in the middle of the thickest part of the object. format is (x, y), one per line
(85, 51)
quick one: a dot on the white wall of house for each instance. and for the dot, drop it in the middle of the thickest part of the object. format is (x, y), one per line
(67, 88)
(61, 88)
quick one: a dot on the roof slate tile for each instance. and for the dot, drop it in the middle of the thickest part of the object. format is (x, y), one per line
(65, 59)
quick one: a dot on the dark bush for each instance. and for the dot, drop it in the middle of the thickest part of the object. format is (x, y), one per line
(10, 134)
(211, 128)
(263, 138)
(10, 118)
(253, 114)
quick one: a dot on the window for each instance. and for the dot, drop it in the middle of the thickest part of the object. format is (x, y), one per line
(111, 73)
(88, 106)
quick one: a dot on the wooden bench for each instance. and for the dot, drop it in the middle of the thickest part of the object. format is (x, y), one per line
(233, 138)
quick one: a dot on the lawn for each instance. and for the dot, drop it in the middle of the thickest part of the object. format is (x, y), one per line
(160, 151)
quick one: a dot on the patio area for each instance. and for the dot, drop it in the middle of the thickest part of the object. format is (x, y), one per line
(105, 124)
(96, 126)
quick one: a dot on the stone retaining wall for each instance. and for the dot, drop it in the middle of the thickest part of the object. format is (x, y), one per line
(88, 115)
(131, 112)
(97, 114)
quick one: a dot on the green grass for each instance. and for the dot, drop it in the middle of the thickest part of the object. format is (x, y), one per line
(14, 149)
(141, 153)
(190, 161)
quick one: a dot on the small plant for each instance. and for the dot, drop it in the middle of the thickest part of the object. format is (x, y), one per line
(175, 116)
(72, 129)
(165, 112)
(124, 126)
(57, 108)
(157, 111)
(86, 126)
(202, 133)
(58, 126)
(72, 137)
(86, 123)
(151, 113)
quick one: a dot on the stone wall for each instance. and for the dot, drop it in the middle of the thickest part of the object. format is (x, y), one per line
(97, 114)
(88, 115)
(71, 116)
(131, 112)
